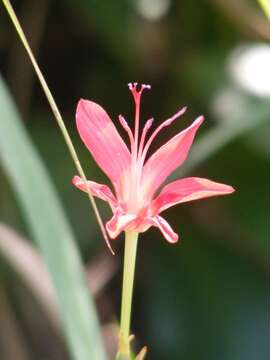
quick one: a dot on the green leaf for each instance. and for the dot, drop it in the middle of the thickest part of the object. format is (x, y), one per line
(231, 125)
(50, 229)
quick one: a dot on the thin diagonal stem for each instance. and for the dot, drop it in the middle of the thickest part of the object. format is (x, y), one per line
(55, 111)
(128, 281)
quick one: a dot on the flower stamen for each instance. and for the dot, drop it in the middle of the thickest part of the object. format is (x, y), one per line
(147, 126)
(159, 128)
(126, 127)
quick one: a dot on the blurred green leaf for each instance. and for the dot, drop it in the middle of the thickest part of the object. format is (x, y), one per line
(51, 231)
(24, 258)
(208, 302)
(259, 140)
(247, 114)
(112, 21)
(248, 211)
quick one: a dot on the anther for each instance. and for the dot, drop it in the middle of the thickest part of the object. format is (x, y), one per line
(123, 122)
(126, 127)
(174, 117)
(147, 126)
(149, 123)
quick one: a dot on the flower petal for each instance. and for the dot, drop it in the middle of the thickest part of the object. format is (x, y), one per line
(165, 228)
(118, 223)
(101, 191)
(168, 157)
(188, 189)
(102, 139)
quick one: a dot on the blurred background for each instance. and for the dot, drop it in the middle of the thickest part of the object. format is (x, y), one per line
(207, 297)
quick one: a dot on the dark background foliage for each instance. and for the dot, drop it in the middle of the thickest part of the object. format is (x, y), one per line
(207, 297)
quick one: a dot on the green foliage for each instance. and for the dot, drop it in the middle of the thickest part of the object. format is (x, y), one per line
(49, 228)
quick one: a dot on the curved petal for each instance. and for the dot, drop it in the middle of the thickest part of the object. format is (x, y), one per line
(101, 191)
(102, 139)
(168, 157)
(188, 189)
(118, 223)
(165, 228)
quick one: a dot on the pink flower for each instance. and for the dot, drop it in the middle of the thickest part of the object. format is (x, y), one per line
(136, 179)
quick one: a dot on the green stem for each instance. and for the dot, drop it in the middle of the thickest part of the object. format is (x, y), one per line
(128, 280)
(55, 111)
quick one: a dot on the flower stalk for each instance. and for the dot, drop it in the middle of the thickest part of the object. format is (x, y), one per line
(131, 242)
